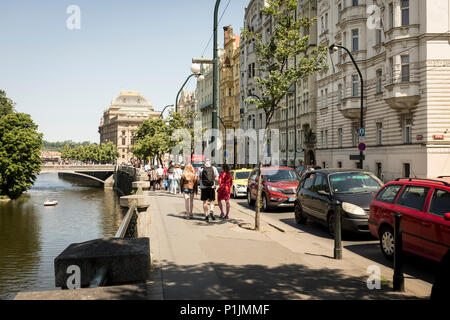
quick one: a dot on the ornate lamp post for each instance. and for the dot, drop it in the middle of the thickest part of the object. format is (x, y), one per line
(196, 72)
(334, 48)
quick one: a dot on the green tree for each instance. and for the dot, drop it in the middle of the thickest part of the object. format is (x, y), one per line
(152, 139)
(286, 44)
(20, 151)
(6, 104)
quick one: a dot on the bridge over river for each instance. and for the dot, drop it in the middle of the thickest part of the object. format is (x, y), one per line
(92, 174)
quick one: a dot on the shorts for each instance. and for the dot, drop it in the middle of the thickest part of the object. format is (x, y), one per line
(188, 191)
(208, 194)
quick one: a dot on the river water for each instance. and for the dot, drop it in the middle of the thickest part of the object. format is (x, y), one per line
(31, 235)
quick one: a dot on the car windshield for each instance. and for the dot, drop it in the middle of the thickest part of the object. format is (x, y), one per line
(280, 175)
(354, 183)
(242, 175)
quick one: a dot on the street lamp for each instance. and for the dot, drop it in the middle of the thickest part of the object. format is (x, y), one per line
(196, 72)
(170, 105)
(334, 48)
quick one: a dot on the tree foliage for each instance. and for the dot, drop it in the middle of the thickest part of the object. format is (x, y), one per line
(154, 136)
(20, 150)
(91, 153)
(275, 60)
(59, 145)
(6, 104)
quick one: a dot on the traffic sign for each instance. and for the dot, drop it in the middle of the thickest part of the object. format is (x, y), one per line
(362, 132)
(362, 146)
(354, 157)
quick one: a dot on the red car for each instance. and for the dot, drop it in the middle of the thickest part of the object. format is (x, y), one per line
(425, 208)
(279, 187)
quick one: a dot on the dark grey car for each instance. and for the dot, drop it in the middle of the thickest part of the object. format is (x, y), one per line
(319, 190)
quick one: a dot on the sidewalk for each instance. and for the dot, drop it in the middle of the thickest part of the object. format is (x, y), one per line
(223, 259)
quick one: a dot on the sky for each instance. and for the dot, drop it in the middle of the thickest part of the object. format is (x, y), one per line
(65, 78)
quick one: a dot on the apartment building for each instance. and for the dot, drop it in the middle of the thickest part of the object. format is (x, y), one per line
(402, 49)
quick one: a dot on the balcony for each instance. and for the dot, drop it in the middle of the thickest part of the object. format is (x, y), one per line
(402, 94)
(352, 13)
(350, 107)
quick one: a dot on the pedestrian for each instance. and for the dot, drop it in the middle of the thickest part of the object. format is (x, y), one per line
(166, 182)
(189, 187)
(208, 175)
(176, 178)
(170, 176)
(153, 176)
(224, 190)
(160, 173)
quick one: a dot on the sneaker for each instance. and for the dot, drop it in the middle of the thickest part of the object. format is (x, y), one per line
(207, 219)
(212, 215)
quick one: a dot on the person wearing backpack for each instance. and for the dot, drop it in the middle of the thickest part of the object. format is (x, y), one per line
(208, 175)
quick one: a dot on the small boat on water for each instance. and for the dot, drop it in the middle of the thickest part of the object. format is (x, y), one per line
(49, 203)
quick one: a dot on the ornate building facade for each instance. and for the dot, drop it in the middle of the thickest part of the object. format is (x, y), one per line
(122, 119)
(403, 51)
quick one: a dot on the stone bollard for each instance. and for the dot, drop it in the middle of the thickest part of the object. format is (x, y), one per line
(127, 260)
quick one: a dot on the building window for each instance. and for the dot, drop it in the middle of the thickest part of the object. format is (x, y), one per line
(355, 86)
(379, 81)
(340, 137)
(405, 12)
(379, 133)
(354, 2)
(326, 21)
(339, 93)
(405, 68)
(326, 139)
(322, 141)
(391, 16)
(391, 67)
(339, 164)
(339, 12)
(355, 40)
(291, 140)
(379, 170)
(379, 36)
(407, 130)
(299, 139)
(355, 136)
(406, 170)
(229, 92)
(123, 141)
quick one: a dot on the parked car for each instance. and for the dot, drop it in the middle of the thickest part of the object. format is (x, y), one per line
(320, 189)
(306, 168)
(240, 182)
(425, 209)
(279, 185)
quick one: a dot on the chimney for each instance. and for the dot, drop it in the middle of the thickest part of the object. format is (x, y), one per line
(228, 33)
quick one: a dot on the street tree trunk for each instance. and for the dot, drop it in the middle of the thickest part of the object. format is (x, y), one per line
(259, 190)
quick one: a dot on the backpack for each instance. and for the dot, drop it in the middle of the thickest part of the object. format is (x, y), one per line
(208, 177)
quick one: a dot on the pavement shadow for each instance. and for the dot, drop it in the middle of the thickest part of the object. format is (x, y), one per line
(256, 282)
(415, 266)
(199, 218)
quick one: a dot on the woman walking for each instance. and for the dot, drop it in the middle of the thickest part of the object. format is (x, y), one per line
(223, 193)
(176, 179)
(189, 186)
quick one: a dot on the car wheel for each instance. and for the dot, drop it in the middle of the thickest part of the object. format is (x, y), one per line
(265, 203)
(249, 199)
(299, 216)
(387, 242)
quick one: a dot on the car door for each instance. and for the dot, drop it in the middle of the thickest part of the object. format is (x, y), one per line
(318, 201)
(411, 204)
(436, 230)
(305, 193)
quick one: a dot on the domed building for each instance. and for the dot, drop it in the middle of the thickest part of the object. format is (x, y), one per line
(122, 119)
